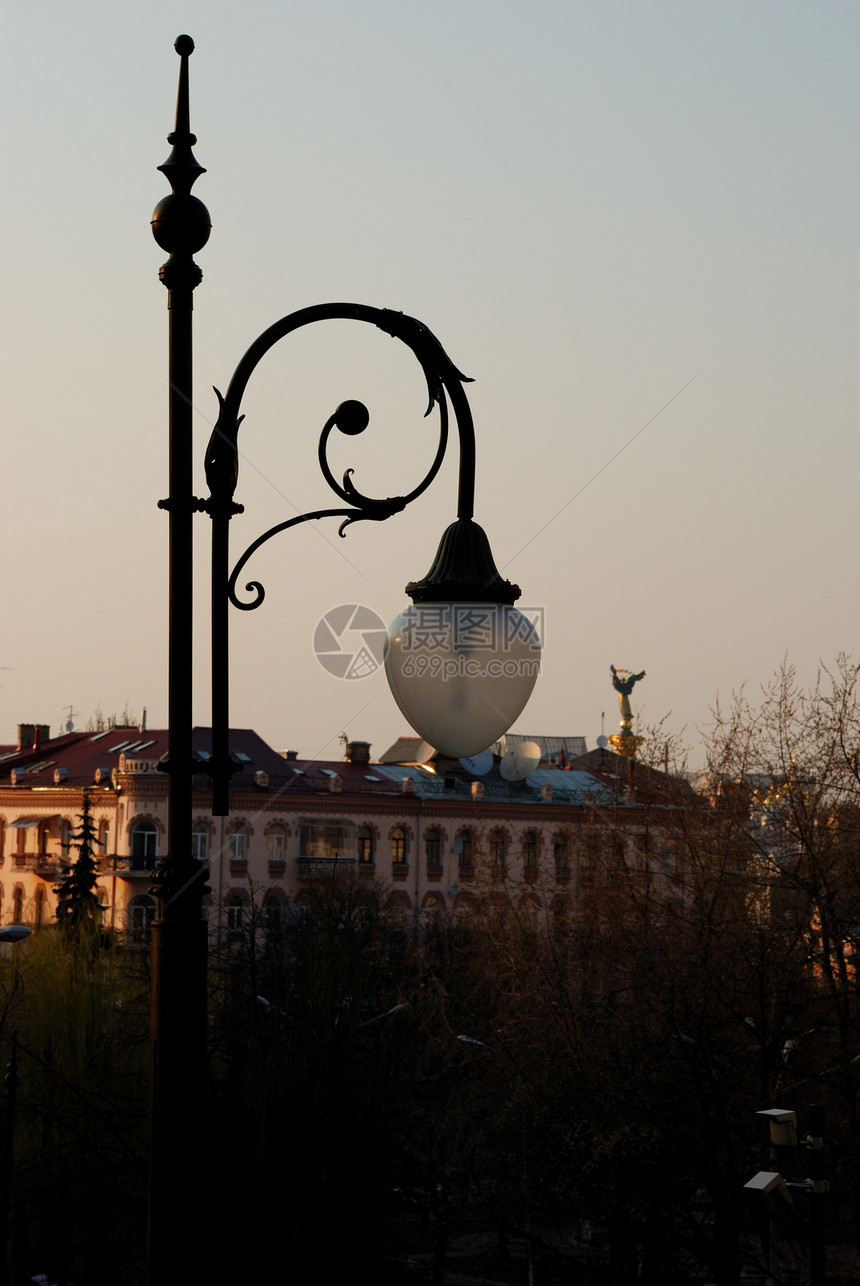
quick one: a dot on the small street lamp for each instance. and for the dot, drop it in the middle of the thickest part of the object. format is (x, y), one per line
(460, 694)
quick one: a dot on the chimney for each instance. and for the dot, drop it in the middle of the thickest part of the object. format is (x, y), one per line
(290, 755)
(142, 727)
(31, 735)
(358, 752)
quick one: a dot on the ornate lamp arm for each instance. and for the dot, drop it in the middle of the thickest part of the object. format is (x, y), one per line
(444, 383)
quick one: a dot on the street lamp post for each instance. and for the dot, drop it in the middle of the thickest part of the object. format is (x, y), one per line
(484, 662)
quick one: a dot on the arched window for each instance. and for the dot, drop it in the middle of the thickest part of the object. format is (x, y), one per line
(463, 849)
(498, 850)
(39, 907)
(530, 851)
(104, 837)
(365, 845)
(433, 847)
(398, 846)
(200, 841)
(276, 844)
(561, 854)
(144, 846)
(17, 904)
(141, 912)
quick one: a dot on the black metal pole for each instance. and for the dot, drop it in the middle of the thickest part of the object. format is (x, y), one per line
(818, 1197)
(7, 1135)
(181, 226)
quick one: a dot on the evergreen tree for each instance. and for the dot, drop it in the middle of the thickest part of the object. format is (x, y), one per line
(78, 905)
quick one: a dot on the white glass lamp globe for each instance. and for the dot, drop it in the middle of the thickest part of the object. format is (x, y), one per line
(462, 673)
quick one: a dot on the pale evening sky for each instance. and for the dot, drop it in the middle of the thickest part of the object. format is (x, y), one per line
(593, 206)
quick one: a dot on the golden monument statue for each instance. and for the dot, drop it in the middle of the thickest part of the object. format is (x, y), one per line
(624, 742)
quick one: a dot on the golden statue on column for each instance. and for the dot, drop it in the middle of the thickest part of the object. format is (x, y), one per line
(624, 742)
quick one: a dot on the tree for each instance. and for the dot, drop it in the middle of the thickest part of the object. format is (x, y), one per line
(78, 909)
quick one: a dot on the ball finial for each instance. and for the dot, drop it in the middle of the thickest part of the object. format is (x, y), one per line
(184, 46)
(352, 417)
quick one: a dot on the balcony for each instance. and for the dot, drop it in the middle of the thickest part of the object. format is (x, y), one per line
(47, 865)
(324, 868)
(131, 868)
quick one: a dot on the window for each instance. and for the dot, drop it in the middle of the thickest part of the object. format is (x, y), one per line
(144, 846)
(464, 850)
(398, 846)
(275, 844)
(275, 914)
(590, 864)
(326, 840)
(238, 845)
(141, 912)
(530, 851)
(498, 851)
(235, 916)
(365, 845)
(104, 837)
(433, 847)
(39, 908)
(432, 912)
(561, 855)
(200, 841)
(668, 857)
(529, 916)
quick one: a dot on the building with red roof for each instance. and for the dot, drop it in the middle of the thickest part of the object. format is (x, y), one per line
(439, 837)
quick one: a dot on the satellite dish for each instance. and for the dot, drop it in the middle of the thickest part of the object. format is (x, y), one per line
(14, 933)
(602, 742)
(478, 765)
(521, 761)
(70, 727)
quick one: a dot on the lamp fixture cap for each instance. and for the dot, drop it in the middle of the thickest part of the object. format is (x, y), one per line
(463, 570)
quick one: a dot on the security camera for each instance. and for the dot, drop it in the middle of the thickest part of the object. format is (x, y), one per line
(783, 1126)
(769, 1181)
